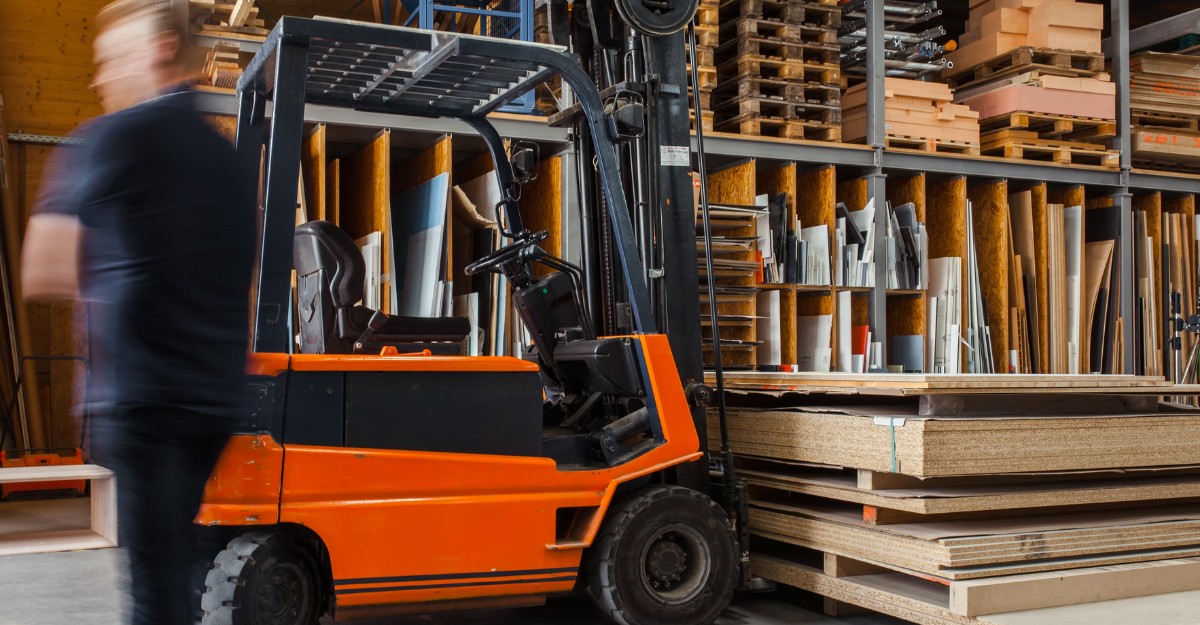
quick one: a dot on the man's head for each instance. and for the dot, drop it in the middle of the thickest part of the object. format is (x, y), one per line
(139, 50)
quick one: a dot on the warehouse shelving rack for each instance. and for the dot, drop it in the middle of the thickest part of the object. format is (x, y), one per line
(871, 161)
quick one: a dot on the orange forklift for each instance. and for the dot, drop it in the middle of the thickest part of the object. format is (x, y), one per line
(379, 471)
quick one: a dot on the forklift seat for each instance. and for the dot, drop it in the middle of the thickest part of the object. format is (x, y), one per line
(329, 273)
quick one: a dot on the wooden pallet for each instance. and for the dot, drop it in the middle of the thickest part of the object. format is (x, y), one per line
(780, 69)
(705, 56)
(747, 85)
(708, 118)
(706, 75)
(1047, 126)
(1024, 145)
(1025, 59)
(753, 45)
(930, 601)
(824, 13)
(931, 144)
(708, 14)
(1172, 121)
(768, 29)
(708, 36)
(756, 126)
(779, 108)
(705, 100)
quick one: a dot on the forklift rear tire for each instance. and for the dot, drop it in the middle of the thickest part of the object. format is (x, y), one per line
(261, 578)
(665, 556)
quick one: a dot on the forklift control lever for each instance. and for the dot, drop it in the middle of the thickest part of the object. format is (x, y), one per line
(508, 253)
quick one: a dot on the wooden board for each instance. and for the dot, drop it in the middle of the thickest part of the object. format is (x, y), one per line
(367, 195)
(103, 511)
(974, 549)
(895, 440)
(928, 384)
(312, 164)
(930, 499)
(1025, 598)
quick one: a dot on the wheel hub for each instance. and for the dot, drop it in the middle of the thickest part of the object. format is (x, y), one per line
(276, 600)
(666, 563)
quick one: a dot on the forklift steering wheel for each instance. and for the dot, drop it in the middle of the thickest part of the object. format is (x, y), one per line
(507, 253)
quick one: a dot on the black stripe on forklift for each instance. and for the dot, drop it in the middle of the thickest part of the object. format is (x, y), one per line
(561, 578)
(426, 578)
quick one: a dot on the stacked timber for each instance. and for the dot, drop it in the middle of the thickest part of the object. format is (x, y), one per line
(928, 498)
(227, 18)
(779, 69)
(917, 115)
(1164, 99)
(222, 66)
(1033, 71)
(707, 36)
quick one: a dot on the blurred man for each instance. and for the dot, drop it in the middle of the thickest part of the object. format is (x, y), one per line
(151, 223)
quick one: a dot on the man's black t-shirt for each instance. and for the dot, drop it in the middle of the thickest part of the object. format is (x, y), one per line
(167, 251)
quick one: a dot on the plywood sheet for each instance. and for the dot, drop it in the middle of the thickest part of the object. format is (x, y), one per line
(366, 191)
(312, 164)
(894, 440)
(989, 201)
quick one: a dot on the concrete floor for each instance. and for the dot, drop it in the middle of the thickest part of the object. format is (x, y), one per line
(85, 588)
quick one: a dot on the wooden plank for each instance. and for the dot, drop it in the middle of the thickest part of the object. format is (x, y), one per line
(312, 162)
(366, 193)
(45, 542)
(54, 473)
(333, 191)
(1047, 590)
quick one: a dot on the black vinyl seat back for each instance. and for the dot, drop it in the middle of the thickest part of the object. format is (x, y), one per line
(330, 271)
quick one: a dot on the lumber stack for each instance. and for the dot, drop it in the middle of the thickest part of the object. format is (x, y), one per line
(778, 69)
(918, 115)
(1164, 99)
(222, 66)
(943, 509)
(225, 17)
(707, 36)
(1033, 71)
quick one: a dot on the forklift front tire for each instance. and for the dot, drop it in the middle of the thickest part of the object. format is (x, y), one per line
(665, 556)
(261, 578)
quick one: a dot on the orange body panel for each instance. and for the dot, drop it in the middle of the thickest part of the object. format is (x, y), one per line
(411, 526)
(244, 486)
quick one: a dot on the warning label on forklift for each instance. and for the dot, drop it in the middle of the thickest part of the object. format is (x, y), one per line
(675, 155)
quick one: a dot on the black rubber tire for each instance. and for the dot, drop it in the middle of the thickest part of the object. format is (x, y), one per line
(618, 570)
(261, 578)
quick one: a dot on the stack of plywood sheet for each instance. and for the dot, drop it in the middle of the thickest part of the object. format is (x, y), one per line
(1033, 71)
(1165, 106)
(707, 34)
(940, 506)
(918, 115)
(227, 17)
(779, 69)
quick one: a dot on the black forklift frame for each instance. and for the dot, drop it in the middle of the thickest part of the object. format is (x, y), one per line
(390, 69)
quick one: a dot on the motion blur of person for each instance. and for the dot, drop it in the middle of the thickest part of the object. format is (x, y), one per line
(151, 222)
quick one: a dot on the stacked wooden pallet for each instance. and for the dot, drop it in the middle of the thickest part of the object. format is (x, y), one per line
(778, 69)
(942, 509)
(707, 36)
(917, 115)
(1165, 104)
(1034, 72)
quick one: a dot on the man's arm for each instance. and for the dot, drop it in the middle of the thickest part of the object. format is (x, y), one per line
(50, 257)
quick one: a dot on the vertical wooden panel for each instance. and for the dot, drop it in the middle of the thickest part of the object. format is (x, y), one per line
(541, 205)
(1185, 207)
(735, 185)
(780, 179)
(816, 198)
(989, 203)
(1041, 267)
(312, 166)
(333, 191)
(366, 196)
